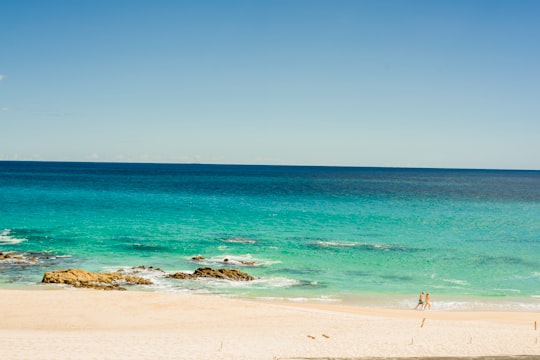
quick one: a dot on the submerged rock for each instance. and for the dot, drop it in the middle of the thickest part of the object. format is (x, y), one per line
(141, 268)
(11, 257)
(8, 256)
(86, 279)
(226, 274)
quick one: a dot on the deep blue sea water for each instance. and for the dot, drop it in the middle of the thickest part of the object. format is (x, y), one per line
(361, 235)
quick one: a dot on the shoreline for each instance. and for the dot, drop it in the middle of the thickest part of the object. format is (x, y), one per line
(77, 323)
(442, 302)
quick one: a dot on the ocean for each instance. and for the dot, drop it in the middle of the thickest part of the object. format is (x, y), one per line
(366, 236)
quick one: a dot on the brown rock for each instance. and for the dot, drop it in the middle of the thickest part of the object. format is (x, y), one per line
(5, 256)
(137, 280)
(13, 256)
(142, 268)
(248, 263)
(85, 279)
(226, 274)
(181, 276)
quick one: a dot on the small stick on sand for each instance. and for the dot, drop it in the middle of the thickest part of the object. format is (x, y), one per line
(534, 325)
(326, 336)
(311, 336)
(423, 321)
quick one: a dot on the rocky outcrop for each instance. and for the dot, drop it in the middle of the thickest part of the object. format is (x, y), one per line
(225, 274)
(142, 268)
(17, 258)
(86, 279)
(114, 281)
(10, 256)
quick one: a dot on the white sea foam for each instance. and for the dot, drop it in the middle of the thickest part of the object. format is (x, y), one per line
(324, 299)
(452, 303)
(508, 290)
(237, 260)
(261, 283)
(145, 272)
(344, 244)
(484, 306)
(161, 282)
(219, 287)
(275, 282)
(456, 282)
(239, 240)
(337, 244)
(157, 276)
(7, 239)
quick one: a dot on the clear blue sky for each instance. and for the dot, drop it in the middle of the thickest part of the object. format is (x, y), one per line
(362, 83)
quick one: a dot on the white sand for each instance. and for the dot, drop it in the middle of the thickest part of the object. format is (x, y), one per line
(90, 324)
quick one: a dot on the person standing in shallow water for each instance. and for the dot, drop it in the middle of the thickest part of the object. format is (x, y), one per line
(427, 303)
(420, 301)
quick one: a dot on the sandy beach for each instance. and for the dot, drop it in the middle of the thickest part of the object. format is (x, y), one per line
(90, 324)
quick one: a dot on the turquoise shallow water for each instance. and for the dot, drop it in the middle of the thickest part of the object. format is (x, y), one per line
(363, 235)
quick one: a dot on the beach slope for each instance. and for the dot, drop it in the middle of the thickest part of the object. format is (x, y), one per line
(89, 324)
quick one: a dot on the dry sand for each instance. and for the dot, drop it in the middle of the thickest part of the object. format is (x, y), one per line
(90, 324)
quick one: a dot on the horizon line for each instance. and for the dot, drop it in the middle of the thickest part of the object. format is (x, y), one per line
(266, 165)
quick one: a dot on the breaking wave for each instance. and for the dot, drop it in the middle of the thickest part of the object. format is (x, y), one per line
(7, 239)
(235, 260)
(363, 246)
(161, 282)
(239, 240)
